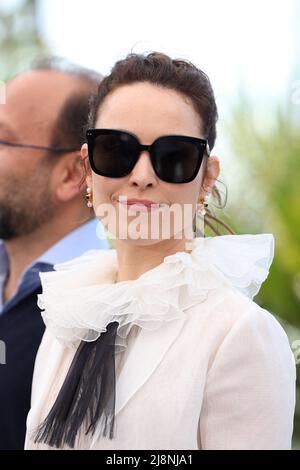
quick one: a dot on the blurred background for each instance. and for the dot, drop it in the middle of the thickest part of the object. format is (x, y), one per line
(251, 52)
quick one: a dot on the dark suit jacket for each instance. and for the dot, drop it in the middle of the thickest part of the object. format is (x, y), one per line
(21, 329)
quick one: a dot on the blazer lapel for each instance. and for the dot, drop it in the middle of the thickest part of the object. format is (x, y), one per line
(145, 356)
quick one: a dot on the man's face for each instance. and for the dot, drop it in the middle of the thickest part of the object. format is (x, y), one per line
(33, 102)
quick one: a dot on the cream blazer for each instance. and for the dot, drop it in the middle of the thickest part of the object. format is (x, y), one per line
(219, 375)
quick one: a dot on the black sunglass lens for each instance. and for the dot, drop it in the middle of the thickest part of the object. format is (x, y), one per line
(176, 161)
(114, 154)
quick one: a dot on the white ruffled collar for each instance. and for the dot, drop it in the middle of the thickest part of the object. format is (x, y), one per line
(80, 298)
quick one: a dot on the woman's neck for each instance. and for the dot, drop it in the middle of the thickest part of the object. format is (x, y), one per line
(135, 260)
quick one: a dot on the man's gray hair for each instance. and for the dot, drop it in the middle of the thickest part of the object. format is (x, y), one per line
(71, 123)
(60, 64)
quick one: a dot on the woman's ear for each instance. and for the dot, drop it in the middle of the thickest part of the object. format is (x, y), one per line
(211, 175)
(84, 157)
(84, 151)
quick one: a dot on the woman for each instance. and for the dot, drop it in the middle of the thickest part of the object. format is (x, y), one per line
(158, 343)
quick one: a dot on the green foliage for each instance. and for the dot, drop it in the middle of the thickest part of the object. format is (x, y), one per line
(20, 42)
(269, 157)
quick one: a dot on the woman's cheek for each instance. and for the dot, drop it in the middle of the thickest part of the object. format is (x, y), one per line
(104, 189)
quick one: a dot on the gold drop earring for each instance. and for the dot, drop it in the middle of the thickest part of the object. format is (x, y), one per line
(201, 207)
(89, 197)
(199, 222)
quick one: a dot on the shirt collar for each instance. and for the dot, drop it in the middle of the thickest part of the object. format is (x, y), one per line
(88, 236)
(3, 259)
(3, 268)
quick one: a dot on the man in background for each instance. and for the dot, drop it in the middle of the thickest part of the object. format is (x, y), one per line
(44, 219)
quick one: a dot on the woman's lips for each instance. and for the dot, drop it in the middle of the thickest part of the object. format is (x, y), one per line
(143, 202)
(141, 205)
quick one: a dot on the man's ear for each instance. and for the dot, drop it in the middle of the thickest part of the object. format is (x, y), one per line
(211, 175)
(67, 175)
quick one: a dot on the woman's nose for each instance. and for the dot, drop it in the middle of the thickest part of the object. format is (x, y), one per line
(143, 174)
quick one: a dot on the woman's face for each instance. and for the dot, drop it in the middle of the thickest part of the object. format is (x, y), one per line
(148, 111)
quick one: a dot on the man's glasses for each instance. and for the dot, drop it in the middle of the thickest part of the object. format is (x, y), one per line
(39, 147)
(175, 158)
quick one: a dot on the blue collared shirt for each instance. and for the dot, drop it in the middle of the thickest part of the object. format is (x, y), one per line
(88, 236)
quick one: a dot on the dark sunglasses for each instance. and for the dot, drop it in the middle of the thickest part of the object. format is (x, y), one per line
(39, 147)
(175, 158)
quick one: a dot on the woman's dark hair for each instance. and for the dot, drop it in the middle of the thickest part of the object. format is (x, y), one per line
(176, 74)
(161, 70)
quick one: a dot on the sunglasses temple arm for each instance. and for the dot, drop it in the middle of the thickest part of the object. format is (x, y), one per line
(40, 147)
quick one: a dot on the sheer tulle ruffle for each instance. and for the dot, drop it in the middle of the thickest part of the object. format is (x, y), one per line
(80, 298)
